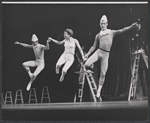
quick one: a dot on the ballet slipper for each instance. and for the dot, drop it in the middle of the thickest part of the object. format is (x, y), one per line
(29, 86)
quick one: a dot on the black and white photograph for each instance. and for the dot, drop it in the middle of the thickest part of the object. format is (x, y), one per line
(74, 61)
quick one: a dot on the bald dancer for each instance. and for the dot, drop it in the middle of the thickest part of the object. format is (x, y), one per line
(39, 55)
(105, 40)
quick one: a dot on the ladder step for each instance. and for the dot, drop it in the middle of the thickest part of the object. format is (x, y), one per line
(80, 92)
(94, 88)
(81, 82)
(92, 81)
(94, 85)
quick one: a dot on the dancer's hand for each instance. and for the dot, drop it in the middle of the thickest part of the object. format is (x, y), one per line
(48, 40)
(16, 42)
(84, 59)
(136, 25)
(139, 26)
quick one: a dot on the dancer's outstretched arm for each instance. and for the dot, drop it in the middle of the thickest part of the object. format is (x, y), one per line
(24, 45)
(57, 42)
(80, 49)
(134, 25)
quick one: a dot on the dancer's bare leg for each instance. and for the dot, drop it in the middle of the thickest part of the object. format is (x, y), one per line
(65, 69)
(92, 59)
(34, 75)
(27, 66)
(57, 68)
(62, 76)
(59, 63)
(104, 67)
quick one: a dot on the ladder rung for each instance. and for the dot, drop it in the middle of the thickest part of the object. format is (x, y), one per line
(81, 82)
(90, 74)
(94, 88)
(92, 81)
(79, 96)
(80, 92)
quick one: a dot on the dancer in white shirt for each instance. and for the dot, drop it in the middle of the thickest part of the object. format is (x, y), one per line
(39, 55)
(105, 39)
(67, 57)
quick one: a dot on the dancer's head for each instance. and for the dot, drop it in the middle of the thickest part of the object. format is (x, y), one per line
(68, 33)
(103, 22)
(34, 39)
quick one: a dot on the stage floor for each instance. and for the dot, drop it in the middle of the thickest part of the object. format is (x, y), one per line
(110, 110)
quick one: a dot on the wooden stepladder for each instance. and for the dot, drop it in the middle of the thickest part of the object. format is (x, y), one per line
(81, 82)
(86, 74)
(92, 84)
(135, 68)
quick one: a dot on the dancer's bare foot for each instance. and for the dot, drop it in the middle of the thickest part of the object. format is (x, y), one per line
(99, 99)
(32, 78)
(29, 86)
(61, 78)
(57, 70)
(98, 94)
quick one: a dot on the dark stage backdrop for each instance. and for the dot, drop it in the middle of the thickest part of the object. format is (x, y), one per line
(21, 21)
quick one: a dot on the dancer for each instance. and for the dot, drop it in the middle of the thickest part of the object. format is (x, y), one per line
(39, 55)
(105, 40)
(67, 57)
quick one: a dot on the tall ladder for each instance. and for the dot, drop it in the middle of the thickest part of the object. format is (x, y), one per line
(135, 68)
(91, 82)
(81, 82)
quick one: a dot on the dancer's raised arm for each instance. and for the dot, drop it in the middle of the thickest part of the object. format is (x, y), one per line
(57, 42)
(47, 45)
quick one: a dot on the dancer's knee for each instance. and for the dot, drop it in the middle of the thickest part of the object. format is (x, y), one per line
(57, 65)
(24, 64)
(102, 75)
(87, 64)
(34, 75)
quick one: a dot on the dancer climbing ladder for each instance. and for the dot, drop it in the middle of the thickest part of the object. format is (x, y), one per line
(39, 55)
(67, 57)
(105, 39)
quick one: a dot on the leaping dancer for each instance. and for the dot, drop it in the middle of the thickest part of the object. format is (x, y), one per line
(105, 40)
(67, 57)
(39, 55)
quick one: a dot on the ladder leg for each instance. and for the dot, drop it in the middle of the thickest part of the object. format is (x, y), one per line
(134, 77)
